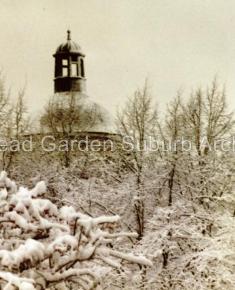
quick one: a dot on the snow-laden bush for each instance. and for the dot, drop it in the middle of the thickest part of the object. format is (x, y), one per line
(190, 248)
(46, 247)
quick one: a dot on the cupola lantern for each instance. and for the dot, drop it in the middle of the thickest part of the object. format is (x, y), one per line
(69, 67)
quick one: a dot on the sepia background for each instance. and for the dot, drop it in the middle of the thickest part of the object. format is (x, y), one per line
(176, 44)
(154, 209)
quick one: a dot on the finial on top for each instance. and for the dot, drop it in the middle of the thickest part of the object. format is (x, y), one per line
(69, 34)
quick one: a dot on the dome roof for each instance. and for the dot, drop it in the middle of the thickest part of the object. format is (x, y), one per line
(105, 121)
(69, 46)
(101, 120)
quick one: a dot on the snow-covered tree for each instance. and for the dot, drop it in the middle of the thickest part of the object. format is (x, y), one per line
(66, 117)
(192, 249)
(137, 122)
(46, 247)
(14, 123)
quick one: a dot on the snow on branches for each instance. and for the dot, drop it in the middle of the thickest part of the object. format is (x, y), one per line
(194, 248)
(46, 247)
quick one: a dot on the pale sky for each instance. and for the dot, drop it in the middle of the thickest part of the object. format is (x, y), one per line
(177, 44)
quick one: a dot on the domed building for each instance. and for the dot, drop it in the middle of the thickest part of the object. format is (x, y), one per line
(70, 82)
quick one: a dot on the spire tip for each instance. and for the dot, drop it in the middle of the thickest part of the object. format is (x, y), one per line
(68, 34)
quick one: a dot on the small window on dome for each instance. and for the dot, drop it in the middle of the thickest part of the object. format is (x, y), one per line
(64, 62)
(65, 72)
(74, 70)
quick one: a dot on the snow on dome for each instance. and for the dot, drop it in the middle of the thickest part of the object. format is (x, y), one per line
(104, 120)
(106, 124)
